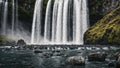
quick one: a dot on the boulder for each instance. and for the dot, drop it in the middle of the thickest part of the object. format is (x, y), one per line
(21, 42)
(76, 60)
(112, 63)
(97, 57)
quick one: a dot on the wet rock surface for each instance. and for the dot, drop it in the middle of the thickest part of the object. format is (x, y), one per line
(76, 60)
(97, 57)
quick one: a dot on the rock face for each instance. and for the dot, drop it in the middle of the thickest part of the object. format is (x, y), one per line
(99, 8)
(105, 31)
(76, 60)
(96, 57)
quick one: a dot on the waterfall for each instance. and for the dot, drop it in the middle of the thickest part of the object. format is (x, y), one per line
(59, 24)
(85, 18)
(4, 25)
(65, 20)
(47, 21)
(77, 4)
(54, 20)
(36, 29)
(13, 16)
(16, 16)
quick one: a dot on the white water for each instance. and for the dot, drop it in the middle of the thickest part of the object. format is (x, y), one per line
(65, 20)
(78, 21)
(54, 20)
(60, 22)
(4, 25)
(13, 16)
(47, 21)
(8, 29)
(16, 17)
(36, 29)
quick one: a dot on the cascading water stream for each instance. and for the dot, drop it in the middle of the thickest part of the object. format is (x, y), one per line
(36, 29)
(78, 21)
(4, 25)
(16, 17)
(13, 16)
(59, 22)
(54, 20)
(85, 17)
(65, 20)
(57, 31)
(47, 21)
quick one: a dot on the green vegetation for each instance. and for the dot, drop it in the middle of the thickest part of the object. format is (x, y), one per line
(6, 41)
(105, 31)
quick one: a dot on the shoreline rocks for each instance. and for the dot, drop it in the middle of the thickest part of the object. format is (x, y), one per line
(97, 57)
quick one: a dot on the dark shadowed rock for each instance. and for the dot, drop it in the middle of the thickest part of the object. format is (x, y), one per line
(118, 63)
(97, 57)
(21, 42)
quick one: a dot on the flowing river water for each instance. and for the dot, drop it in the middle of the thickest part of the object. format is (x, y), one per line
(14, 58)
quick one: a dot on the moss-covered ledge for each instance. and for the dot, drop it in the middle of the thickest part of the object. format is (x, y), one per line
(4, 40)
(105, 31)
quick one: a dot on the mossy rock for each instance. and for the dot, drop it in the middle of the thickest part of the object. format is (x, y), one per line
(105, 31)
(4, 40)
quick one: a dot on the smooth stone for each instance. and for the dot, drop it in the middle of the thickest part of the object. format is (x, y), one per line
(76, 60)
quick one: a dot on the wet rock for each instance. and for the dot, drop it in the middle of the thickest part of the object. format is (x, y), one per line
(76, 60)
(47, 54)
(37, 51)
(116, 55)
(97, 57)
(118, 63)
(112, 63)
(21, 42)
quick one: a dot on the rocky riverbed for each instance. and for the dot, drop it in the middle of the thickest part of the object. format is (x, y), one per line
(76, 58)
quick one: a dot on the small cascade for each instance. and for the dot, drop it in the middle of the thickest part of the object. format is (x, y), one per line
(59, 26)
(5, 13)
(16, 17)
(13, 16)
(10, 29)
(36, 26)
(65, 20)
(59, 22)
(47, 33)
(54, 19)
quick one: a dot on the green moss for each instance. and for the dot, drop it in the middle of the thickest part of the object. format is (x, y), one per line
(4, 40)
(105, 31)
